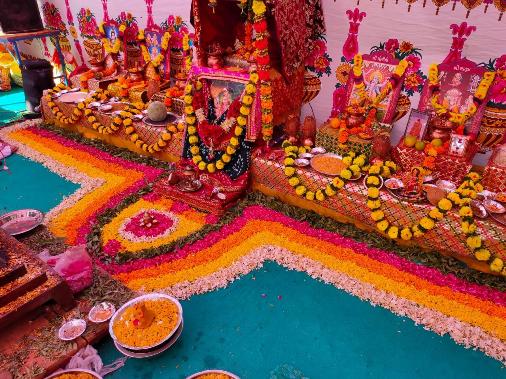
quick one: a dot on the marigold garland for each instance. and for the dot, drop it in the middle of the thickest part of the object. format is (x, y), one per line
(240, 125)
(125, 118)
(457, 117)
(79, 110)
(354, 166)
(263, 62)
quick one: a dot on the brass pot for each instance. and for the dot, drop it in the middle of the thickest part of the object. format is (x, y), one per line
(442, 128)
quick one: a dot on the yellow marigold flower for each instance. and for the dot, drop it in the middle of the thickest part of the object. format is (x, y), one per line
(188, 89)
(202, 165)
(226, 158)
(289, 171)
(211, 167)
(373, 192)
(300, 190)
(383, 225)
(234, 141)
(196, 159)
(230, 150)
(373, 180)
(190, 120)
(198, 85)
(188, 99)
(466, 212)
(373, 204)
(250, 89)
(391, 165)
(129, 130)
(406, 234)
(301, 150)
(474, 242)
(194, 150)
(253, 77)
(310, 195)
(188, 110)
(377, 215)
(427, 223)
(245, 111)
(444, 204)
(241, 120)
(347, 160)
(320, 196)
(92, 119)
(192, 130)
(374, 170)
(393, 232)
(220, 165)
(355, 169)
(289, 161)
(238, 131)
(294, 181)
(359, 161)
(172, 128)
(435, 213)
(453, 196)
(166, 136)
(258, 7)
(193, 140)
(117, 120)
(329, 191)
(468, 228)
(478, 187)
(338, 182)
(134, 137)
(127, 122)
(385, 172)
(345, 174)
(482, 255)
(160, 143)
(497, 265)
(248, 100)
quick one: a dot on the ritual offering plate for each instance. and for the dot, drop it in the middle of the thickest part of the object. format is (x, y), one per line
(446, 185)
(22, 221)
(318, 150)
(73, 97)
(381, 181)
(478, 209)
(146, 322)
(75, 374)
(411, 197)
(94, 104)
(501, 197)
(434, 193)
(485, 195)
(189, 185)
(213, 374)
(328, 164)
(494, 207)
(306, 156)
(300, 162)
(151, 352)
(171, 118)
(101, 312)
(394, 184)
(72, 329)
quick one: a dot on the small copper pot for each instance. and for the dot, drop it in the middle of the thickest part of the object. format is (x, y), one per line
(309, 129)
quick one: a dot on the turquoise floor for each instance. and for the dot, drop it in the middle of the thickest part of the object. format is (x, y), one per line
(11, 104)
(31, 185)
(302, 328)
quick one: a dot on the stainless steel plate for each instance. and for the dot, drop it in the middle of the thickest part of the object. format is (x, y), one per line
(22, 221)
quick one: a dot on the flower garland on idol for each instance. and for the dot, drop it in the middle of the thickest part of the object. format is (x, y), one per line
(453, 115)
(115, 48)
(194, 117)
(354, 165)
(261, 45)
(157, 61)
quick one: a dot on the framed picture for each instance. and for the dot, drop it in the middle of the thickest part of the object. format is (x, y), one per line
(418, 123)
(458, 145)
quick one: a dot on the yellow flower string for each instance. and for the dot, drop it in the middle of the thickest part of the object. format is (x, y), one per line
(353, 164)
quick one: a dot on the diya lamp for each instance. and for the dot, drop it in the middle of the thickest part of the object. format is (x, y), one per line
(292, 125)
(309, 131)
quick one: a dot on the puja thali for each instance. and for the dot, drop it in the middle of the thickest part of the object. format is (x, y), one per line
(22, 221)
(328, 164)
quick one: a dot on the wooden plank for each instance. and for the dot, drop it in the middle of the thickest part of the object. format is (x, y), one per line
(12, 274)
(23, 289)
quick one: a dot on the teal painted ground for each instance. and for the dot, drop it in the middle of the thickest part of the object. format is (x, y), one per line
(11, 103)
(31, 185)
(313, 331)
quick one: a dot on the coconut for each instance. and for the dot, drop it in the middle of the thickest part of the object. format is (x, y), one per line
(157, 111)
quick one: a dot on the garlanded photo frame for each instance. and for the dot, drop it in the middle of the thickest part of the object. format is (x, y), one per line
(418, 124)
(377, 69)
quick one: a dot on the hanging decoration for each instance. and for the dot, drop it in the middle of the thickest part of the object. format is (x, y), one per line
(350, 47)
(470, 5)
(501, 7)
(460, 34)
